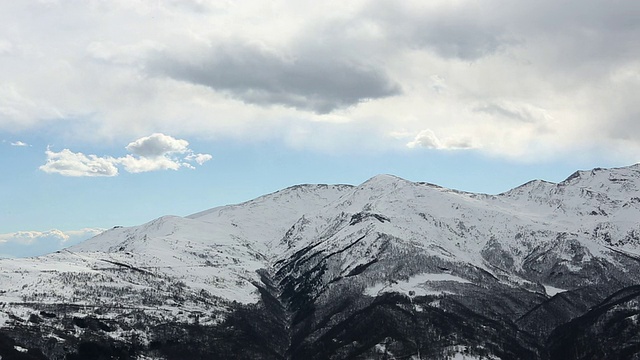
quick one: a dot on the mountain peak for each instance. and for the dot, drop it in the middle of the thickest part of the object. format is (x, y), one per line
(604, 174)
(383, 180)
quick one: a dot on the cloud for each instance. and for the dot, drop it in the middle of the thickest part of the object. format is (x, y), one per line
(20, 110)
(157, 145)
(505, 72)
(35, 243)
(68, 163)
(19, 143)
(6, 47)
(427, 139)
(303, 79)
(455, 29)
(513, 111)
(145, 164)
(150, 153)
(199, 158)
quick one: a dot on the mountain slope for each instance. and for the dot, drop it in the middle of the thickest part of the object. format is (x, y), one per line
(389, 268)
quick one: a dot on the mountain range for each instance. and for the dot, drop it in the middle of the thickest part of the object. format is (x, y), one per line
(388, 269)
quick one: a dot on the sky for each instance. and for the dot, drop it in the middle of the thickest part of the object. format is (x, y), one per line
(116, 112)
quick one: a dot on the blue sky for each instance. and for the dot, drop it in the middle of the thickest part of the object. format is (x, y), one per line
(117, 112)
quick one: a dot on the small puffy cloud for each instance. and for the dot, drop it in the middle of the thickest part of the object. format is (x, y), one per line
(199, 158)
(145, 164)
(19, 143)
(35, 243)
(68, 163)
(159, 152)
(427, 138)
(157, 145)
(150, 153)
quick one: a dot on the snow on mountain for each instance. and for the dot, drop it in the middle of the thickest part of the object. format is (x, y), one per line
(265, 219)
(499, 234)
(206, 259)
(308, 244)
(228, 244)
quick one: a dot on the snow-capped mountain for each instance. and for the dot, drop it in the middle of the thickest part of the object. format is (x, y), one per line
(386, 269)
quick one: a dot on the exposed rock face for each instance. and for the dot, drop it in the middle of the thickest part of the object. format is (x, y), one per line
(387, 269)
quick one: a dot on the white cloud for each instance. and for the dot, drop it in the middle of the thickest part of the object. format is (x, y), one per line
(199, 158)
(427, 139)
(19, 143)
(157, 145)
(144, 164)
(68, 163)
(28, 237)
(34, 243)
(111, 52)
(151, 153)
(19, 110)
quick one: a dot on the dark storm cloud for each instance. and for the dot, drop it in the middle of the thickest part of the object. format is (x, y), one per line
(314, 81)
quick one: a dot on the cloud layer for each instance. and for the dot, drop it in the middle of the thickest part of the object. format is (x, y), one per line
(35, 243)
(150, 153)
(531, 79)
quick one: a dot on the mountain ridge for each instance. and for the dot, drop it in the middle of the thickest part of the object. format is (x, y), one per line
(324, 266)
